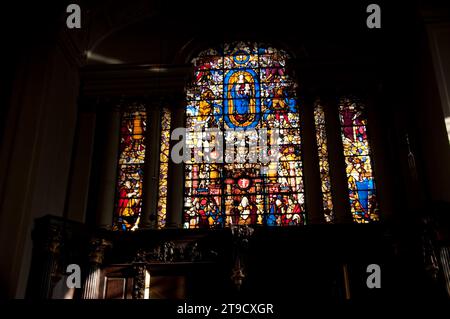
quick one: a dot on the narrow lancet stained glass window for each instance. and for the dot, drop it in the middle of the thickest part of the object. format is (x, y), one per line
(361, 184)
(130, 169)
(324, 164)
(240, 87)
(163, 167)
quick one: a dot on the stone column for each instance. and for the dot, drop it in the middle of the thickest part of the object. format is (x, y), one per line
(311, 170)
(108, 170)
(175, 178)
(151, 169)
(92, 280)
(381, 144)
(338, 176)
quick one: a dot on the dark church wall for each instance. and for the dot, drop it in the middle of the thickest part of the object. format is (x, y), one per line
(38, 135)
(48, 136)
(36, 155)
(431, 133)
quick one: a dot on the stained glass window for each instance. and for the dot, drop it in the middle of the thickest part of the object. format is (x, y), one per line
(324, 164)
(240, 88)
(163, 167)
(130, 169)
(361, 184)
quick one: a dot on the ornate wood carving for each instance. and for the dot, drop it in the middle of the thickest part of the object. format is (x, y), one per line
(241, 236)
(47, 241)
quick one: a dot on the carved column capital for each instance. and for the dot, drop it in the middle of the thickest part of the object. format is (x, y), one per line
(53, 241)
(98, 248)
(48, 239)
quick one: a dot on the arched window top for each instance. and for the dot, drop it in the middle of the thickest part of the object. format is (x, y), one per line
(239, 48)
(242, 55)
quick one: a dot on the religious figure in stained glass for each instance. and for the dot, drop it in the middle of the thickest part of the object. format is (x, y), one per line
(241, 89)
(361, 184)
(130, 169)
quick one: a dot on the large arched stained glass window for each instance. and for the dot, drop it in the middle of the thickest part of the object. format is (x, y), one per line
(242, 89)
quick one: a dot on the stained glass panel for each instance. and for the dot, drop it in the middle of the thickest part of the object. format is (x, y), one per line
(238, 87)
(130, 169)
(324, 165)
(361, 184)
(163, 167)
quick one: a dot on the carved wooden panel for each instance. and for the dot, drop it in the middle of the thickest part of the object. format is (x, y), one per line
(167, 287)
(115, 288)
(117, 283)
